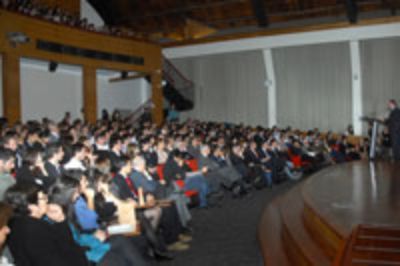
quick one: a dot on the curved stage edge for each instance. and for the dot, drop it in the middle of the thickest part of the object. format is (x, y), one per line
(308, 224)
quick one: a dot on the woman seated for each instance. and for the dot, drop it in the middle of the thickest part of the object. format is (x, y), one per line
(100, 249)
(34, 241)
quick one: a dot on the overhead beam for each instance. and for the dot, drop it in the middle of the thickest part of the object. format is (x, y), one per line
(371, 29)
(129, 77)
(260, 13)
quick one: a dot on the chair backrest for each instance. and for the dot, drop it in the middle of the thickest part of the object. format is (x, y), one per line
(160, 171)
(193, 164)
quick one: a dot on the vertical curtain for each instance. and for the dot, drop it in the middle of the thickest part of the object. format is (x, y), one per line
(380, 61)
(314, 86)
(228, 87)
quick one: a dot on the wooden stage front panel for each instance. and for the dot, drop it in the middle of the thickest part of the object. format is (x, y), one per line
(316, 216)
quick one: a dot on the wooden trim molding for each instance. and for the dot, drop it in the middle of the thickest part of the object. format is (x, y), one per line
(157, 97)
(89, 94)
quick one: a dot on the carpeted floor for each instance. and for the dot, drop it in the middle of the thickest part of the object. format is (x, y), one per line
(227, 235)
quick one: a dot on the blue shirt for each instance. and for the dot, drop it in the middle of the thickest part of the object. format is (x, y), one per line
(86, 217)
(96, 249)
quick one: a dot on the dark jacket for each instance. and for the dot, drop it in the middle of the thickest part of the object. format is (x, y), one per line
(121, 188)
(26, 175)
(172, 171)
(52, 170)
(394, 123)
(34, 242)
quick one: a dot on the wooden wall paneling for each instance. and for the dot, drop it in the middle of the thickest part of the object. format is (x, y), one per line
(11, 87)
(89, 94)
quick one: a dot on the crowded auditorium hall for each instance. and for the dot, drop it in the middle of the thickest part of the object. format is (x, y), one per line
(198, 132)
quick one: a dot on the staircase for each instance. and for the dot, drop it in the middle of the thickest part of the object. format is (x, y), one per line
(178, 89)
(371, 245)
(133, 117)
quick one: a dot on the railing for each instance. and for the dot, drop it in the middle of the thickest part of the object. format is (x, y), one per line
(133, 117)
(177, 80)
(96, 30)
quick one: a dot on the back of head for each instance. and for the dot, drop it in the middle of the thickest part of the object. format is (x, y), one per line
(120, 163)
(392, 104)
(20, 195)
(64, 192)
(6, 154)
(52, 149)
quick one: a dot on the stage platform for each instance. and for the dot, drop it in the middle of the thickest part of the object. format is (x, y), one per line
(308, 224)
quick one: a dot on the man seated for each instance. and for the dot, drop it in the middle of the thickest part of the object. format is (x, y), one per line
(176, 169)
(166, 219)
(217, 171)
(145, 179)
(54, 155)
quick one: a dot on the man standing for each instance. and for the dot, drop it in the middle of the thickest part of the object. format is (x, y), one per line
(393, 123)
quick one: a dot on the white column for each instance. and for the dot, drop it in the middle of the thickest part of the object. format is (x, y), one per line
(270, 84)
(356, 86)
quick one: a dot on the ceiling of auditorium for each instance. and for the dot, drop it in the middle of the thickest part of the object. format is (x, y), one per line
(181, 20)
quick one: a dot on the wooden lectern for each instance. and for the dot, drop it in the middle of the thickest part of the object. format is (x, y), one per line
(375, 126)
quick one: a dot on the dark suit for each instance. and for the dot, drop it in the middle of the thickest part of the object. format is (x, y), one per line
(53, 171)
(225, 175)
(150, 157)
(35, 242)
(114, 158)
(172, 171)
(26, 175)
(239, 165)
(121, 188)
(149, 186)
(394, 129)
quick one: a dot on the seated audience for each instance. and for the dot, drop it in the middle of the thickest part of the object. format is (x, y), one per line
(175, 169)
(34, 241)
(144, 178)
(99, 248)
